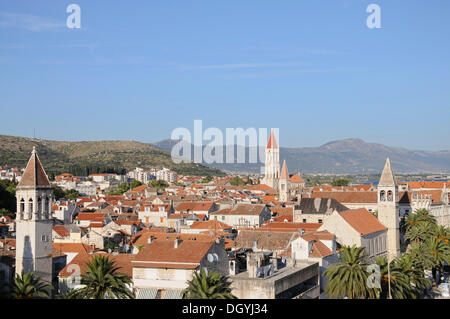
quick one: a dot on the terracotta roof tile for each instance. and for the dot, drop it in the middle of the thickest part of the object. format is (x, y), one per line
(34, 174)
(362, 221)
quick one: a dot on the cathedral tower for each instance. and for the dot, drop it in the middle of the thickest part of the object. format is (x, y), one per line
(33, 221)
(272, 165)
(388, 212)
(284, 187)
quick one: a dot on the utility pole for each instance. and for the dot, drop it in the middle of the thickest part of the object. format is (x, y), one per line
(389, 277)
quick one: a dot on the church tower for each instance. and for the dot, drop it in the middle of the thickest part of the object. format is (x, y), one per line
(284, 185)
(388, 212)
(272, 165)
(33, 221)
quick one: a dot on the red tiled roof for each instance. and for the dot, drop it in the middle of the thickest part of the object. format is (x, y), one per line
(90, 216)
(320, 250)
(139, 188)
(362, 221)
(34, 174)
(142, 237)
(61, 231)
(296, 179)
(72, 247)
(194, 206)
(241, 209)
(210, 224)
(348, 197)
(428, 184)
(122, 261)
(188, 251)
(272, 141)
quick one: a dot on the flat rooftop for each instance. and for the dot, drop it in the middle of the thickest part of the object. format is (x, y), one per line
(277, 275)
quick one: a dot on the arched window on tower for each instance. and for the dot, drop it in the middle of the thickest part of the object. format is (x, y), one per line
(22, 206)
(30, 207)
(39, 205)
(382, 196)
(390, 196)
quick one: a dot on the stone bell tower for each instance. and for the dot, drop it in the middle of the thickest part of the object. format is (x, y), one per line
(388, 211)
(284, 188)
(272, 165)
(33, 221)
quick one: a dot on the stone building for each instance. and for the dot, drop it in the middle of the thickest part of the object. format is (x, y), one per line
(388, 210)
(34, 226)
(272, 165)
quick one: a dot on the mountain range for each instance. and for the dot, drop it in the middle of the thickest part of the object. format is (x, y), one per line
(84, 158)
(348, 156)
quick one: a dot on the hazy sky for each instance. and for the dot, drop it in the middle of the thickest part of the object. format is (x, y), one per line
(139, 69)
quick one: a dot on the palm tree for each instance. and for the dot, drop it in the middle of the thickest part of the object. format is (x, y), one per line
(349, 277)
(420, 255)
(442, 233)
(103, 281)
(416, 276)
(420, 232)
(440, 253)
(424, 215)
(208, 286)
(28, 286)
(400, 284)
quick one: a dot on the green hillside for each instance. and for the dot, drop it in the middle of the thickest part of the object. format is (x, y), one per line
(84, 158)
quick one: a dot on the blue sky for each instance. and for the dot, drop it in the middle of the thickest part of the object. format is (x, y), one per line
(136, 70)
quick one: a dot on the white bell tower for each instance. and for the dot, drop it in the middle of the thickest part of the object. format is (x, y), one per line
(272, 165)
(33, 221)
(388, 211)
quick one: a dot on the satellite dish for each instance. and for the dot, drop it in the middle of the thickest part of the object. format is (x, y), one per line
(210, 258)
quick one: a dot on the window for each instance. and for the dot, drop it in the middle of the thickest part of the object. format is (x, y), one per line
(382, 196)
(223, 217)
(215, 217)
(390, 196)
(304, 220)
(30, 206)
(320, 221)
(22, 206)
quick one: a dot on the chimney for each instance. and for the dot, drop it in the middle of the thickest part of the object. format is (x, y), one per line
(177, 242)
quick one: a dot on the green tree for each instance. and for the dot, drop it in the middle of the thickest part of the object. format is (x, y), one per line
(208, 286)
(110, 245)
(135, 183)
(207, 179)
(58, 192)
(28, 286)
(122, 188)
(5, 212)
(400, 284)
(348, 278)
(440, 253)
(103, 281)
(8, 196)
(420, 254)
(237, 181)
(414, 271)
(71, 194)
(159, 184)
(340, 182)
